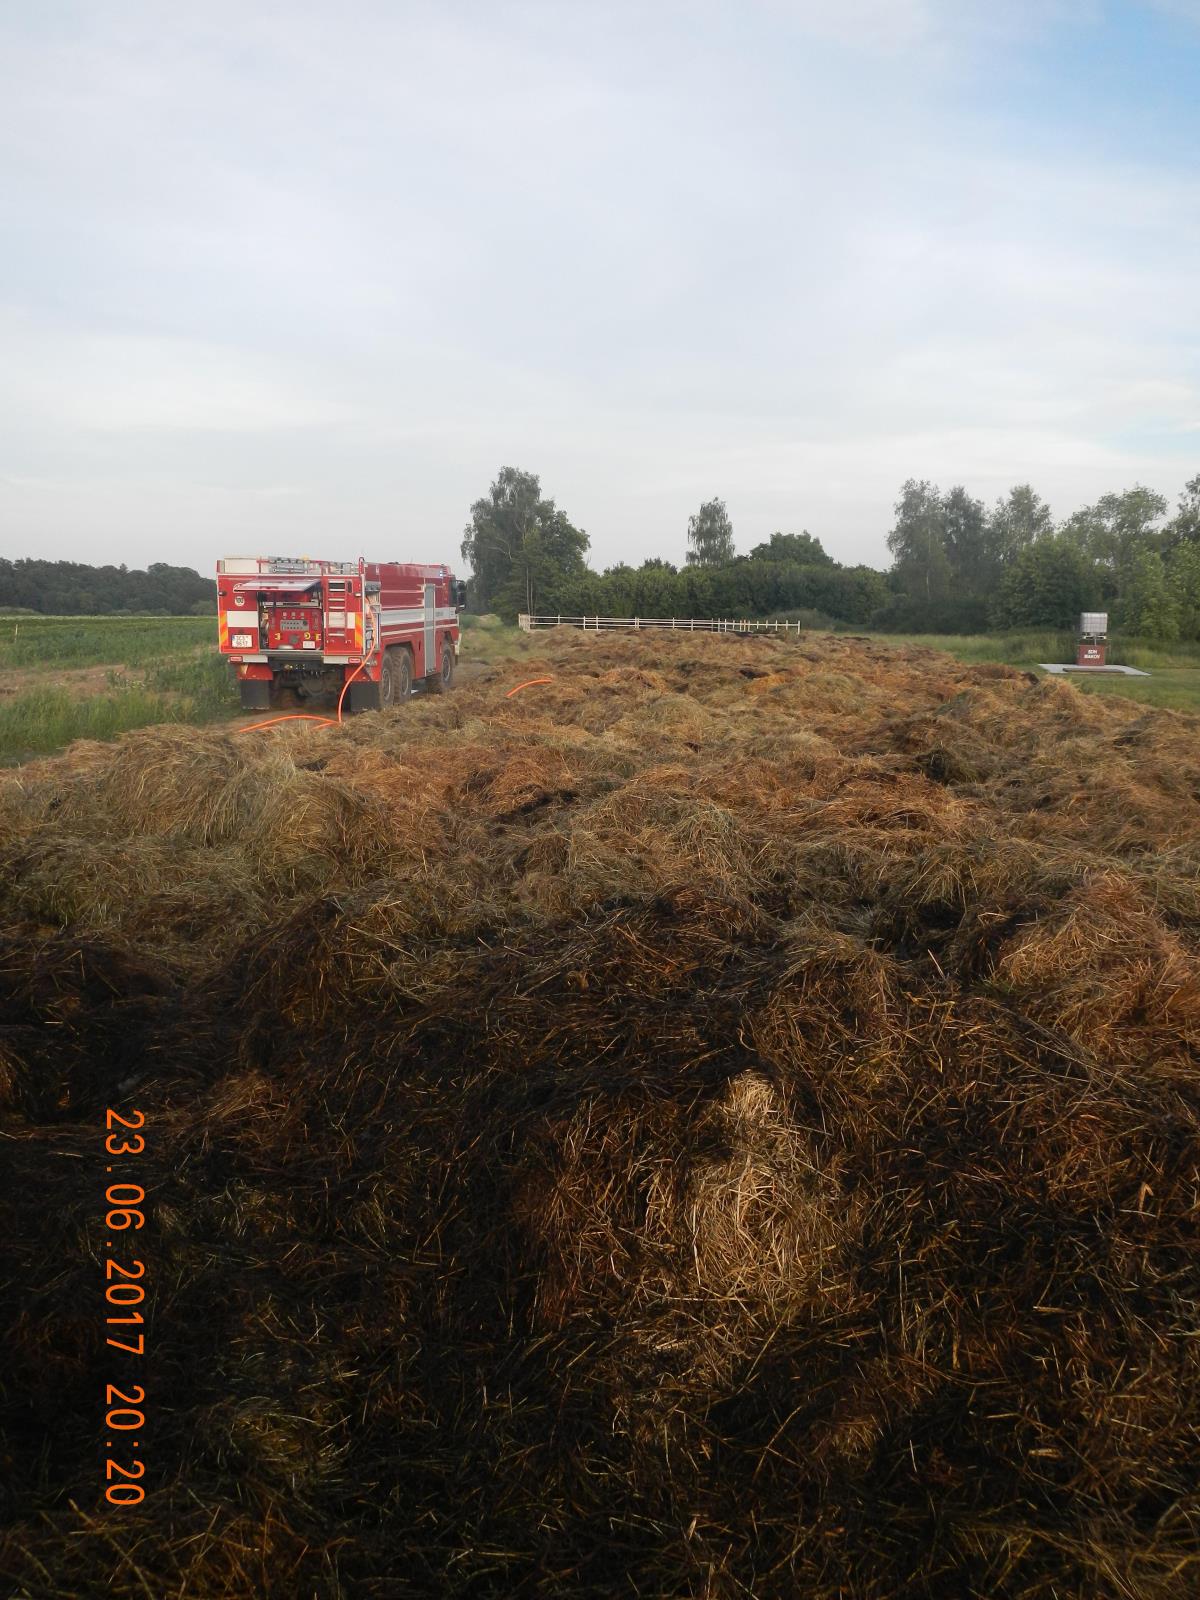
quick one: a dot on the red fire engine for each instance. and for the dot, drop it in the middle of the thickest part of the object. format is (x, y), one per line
(309, 627)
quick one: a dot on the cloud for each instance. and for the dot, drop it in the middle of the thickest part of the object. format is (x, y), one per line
(304, 270)
(120, 384)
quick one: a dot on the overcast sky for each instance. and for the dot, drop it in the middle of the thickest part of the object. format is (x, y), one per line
(302, 277)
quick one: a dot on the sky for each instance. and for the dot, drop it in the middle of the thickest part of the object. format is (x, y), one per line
(302, 277)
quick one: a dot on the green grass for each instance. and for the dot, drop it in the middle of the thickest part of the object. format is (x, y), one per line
(1177, 688)
(193, 688)
(47, 642)
(43, 720)
(1028, 647)
(469, 620)
(495, 642)
(203, 678)
(1174, 668)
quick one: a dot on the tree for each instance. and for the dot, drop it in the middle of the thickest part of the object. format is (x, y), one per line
(497, 530)
(520, 547)
(1186, 526)
(1111, 531)
(710, 535)
(656, 589)
(964, 536)
(918, 541)
(800, 548)
(1183, 581)
(1046, 585)
(620, 590)
(1016, 522)
(1148, 606)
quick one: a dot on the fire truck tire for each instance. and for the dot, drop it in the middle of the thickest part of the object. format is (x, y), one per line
(387, 681)
(439, 682)
(398, 661)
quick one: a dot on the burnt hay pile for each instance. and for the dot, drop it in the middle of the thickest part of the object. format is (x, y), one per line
(722, 1124)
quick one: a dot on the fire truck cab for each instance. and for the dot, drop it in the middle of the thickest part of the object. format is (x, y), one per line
(292, 626)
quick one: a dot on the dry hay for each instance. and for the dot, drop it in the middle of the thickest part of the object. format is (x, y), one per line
(722, 1123)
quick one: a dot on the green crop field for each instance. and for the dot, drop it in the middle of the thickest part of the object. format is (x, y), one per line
(159, 669)
(34, 642)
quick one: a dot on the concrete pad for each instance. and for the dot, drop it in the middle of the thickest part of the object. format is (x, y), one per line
(1069, 666)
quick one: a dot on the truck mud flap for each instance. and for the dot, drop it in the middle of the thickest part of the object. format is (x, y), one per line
(363, 696)
(256, 694)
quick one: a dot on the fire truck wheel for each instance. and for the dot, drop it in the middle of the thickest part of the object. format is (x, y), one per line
(438, 683)
(395, 677)
(387, 681)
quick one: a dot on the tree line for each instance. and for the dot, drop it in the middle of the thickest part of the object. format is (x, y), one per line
(525, 554)
(72, 588)
(957, 566)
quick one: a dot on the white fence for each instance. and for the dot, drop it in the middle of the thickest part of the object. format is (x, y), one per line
(682, 624)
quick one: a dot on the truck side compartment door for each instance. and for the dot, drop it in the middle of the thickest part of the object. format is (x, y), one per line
(431, 659)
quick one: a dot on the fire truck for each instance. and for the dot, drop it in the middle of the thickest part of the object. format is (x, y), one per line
(290, 626)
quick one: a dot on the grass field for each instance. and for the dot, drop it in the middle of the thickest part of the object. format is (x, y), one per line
(54, 689)
(66, 678)
(1174, 668)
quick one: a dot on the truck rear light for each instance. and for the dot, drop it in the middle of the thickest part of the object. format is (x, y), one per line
(242, 641)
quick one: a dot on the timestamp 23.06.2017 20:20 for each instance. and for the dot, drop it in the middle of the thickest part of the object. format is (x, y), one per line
(125, 1323)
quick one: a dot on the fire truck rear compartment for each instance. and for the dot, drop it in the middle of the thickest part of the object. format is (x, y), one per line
(300, 631)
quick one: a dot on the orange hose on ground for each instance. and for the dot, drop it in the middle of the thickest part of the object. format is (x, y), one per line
(331, 722)
(528, 685)
(309, 716)
(290, 716)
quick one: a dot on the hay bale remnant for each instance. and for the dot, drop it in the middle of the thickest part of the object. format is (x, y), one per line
(724, 1123)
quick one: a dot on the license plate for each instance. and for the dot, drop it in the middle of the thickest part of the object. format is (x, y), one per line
(241, 641)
